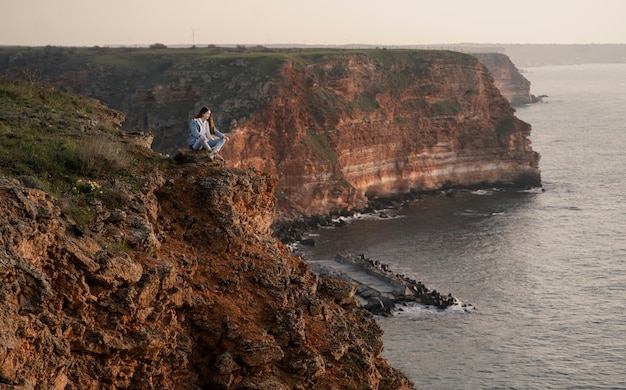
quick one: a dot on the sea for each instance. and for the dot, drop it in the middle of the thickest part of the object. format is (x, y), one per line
(544, 269)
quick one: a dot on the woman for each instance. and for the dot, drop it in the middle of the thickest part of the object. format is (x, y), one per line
(203, 132)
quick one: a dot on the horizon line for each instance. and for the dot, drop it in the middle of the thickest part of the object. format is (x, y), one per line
(297, 45)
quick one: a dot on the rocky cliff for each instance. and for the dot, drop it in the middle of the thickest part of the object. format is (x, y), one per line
(347, 128)
(508, 79)
(144, 273)
(336, 127)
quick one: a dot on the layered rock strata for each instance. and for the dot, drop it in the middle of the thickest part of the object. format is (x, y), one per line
(350, 127)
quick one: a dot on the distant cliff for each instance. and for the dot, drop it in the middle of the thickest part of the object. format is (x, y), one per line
(336, 127)
(511, 83)
(529, 55)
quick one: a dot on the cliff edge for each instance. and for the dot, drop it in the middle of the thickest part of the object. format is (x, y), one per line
(120, 268)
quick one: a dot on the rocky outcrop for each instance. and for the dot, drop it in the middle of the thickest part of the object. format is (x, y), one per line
(195, 294)
(160, 274)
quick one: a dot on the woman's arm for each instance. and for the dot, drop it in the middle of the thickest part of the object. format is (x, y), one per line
(194, 127)
(221, 135)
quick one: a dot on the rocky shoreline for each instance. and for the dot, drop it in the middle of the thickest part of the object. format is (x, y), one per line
(381, 291)
(292, 230)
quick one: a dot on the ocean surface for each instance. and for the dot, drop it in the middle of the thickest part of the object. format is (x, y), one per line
(546, 270)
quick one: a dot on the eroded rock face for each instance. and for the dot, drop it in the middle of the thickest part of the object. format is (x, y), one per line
(213, 301)
(355, 126)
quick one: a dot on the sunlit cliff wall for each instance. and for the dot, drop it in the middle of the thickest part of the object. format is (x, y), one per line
(347, 127)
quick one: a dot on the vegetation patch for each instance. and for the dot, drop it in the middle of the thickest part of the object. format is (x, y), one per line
(365, 103)
(320, 146)
(504, 130)
(69, 147)
(102, 157)
(446, 108)
(54, 138)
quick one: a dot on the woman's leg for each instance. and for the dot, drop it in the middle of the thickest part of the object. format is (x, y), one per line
(216, 144)
(200, 144)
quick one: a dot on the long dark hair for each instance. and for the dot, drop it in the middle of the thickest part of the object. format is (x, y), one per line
(202, 111)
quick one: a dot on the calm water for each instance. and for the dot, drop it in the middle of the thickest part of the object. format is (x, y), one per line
(546, 271)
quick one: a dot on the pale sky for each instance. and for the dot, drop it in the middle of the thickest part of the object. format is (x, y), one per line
(313, 22)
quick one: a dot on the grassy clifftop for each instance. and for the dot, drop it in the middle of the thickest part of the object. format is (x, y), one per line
(52, 139)
(68, 146)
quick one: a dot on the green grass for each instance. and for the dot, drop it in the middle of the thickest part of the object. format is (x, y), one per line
(445, 108)
(318, 143)
(365, 103)
(56, 138)
(71, 148)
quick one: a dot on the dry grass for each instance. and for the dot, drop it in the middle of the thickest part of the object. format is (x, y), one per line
(99, 157)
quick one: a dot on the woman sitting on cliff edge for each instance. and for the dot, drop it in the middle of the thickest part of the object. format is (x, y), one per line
(204, 134)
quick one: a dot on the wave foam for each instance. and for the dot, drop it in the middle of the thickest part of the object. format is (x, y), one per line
(419, 309)
(379, 215)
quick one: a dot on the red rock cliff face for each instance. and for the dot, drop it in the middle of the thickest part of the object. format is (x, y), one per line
(196, 301)
(351, 126)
